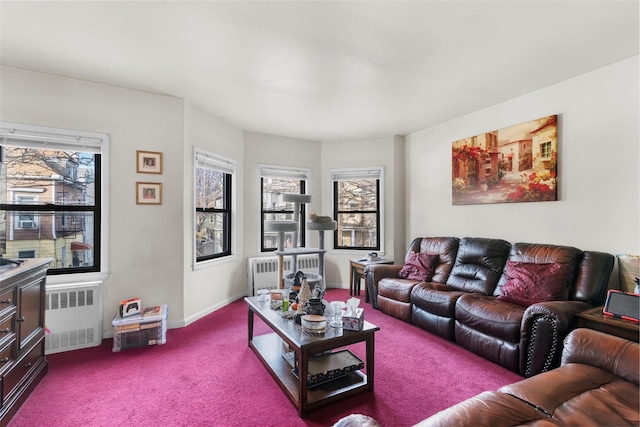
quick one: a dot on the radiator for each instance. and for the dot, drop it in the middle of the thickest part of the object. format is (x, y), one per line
(263, 271)
(73, 317)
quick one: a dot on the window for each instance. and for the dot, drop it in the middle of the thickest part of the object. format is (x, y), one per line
(274, 182)
(50, 196)
(356, 208)
(26, 254)
(545, 150)
(213, 190)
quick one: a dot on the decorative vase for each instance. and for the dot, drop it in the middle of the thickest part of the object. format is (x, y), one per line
(314, 306)
(303, 295)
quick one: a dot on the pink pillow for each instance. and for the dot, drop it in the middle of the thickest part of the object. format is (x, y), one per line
(419, 266)
(529, 283)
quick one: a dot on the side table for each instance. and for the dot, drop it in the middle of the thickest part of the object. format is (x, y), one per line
(595, 319)
(357, 274)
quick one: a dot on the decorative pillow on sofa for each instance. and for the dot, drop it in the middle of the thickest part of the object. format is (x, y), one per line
(529, 283)
(419, 266)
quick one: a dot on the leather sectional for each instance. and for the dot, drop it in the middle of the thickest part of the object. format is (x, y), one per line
(596, 385)
(470, 297)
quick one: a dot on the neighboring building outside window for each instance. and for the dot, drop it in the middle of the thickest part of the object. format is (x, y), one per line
(274, 182)
(50, 196)
(213, 191)
(356, 207)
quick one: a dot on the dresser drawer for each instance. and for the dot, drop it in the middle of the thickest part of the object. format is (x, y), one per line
(20, 370)
(8, 299)
(7, 328)
(7, 355)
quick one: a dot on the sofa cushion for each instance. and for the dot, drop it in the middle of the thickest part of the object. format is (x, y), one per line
(491, 317)
(479, 264)
(487, 409)
(396, 289)
(610, 400)
(419, 266)
(436, 298)
(538, 253)
(446, 248)
(529, 283)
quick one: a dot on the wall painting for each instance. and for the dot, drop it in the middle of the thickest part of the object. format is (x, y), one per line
(510, 165)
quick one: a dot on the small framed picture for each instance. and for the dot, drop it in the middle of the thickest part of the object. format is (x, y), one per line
(148, 162)
(148, 193)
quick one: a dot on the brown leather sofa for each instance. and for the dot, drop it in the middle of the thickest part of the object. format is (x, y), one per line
(466, 300)
(596, 385)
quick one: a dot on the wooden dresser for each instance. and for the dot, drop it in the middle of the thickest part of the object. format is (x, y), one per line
(22, 362)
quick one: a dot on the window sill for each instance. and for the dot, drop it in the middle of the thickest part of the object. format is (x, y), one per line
(213, 262)
(80, 279)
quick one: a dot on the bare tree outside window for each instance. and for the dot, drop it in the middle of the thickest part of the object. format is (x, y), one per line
(48, 206)
(211, 215)
(212, 208)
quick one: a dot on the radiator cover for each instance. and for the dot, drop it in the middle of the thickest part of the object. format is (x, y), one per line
(73, 316)
(263, 271)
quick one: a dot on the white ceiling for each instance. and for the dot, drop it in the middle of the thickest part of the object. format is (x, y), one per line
(323, 69)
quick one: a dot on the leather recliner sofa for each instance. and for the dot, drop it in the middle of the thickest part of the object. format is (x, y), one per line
(466, 300)
(596, 385)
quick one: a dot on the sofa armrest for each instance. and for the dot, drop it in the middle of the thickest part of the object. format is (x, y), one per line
(544, 327)
(610, 353)
(374, 273)
(490, 409)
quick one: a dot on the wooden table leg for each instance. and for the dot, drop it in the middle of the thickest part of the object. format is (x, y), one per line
(250, 325)
(303, 371)
(366, 289)
(353, 280)
(370, 361)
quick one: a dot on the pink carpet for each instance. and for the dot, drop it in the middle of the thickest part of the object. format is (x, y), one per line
(206, 375)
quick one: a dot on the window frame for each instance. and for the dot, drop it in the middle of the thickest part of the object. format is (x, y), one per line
(41, 137)
(546, 147)
(227, 166)
(282, 172)
(355, 174)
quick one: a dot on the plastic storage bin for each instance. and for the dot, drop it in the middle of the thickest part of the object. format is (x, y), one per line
(139, 331)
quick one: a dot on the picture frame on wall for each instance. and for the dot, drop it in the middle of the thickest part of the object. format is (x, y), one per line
(148, 162)
(148, 193)
(509, 165)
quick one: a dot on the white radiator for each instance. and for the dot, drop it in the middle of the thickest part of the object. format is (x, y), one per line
(263, 271)
(73, 317)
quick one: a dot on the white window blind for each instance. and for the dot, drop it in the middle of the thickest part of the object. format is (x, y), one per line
(215, 162)
(356, 174)
(267, 171)
(17, 135)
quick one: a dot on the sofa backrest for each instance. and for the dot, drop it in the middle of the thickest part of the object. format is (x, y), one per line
(479, 264)
(592, 278)
(446, 249)
(613, 354)
(588, 275)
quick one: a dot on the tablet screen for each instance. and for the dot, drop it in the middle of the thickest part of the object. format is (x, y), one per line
(622, 304)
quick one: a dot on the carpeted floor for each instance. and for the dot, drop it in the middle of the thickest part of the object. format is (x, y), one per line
(206, 375)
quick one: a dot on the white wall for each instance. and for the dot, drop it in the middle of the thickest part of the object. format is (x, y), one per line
(150, 250)
(216, 283)
(278, 151)
(598, 168)
(373, 152)
(144, 246)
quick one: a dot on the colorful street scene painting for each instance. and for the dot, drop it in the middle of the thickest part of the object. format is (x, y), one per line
(510, 165)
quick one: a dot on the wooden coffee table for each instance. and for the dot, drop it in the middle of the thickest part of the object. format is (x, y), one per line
(269, 348)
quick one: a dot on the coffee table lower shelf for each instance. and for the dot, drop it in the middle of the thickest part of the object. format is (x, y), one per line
(268, 347)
